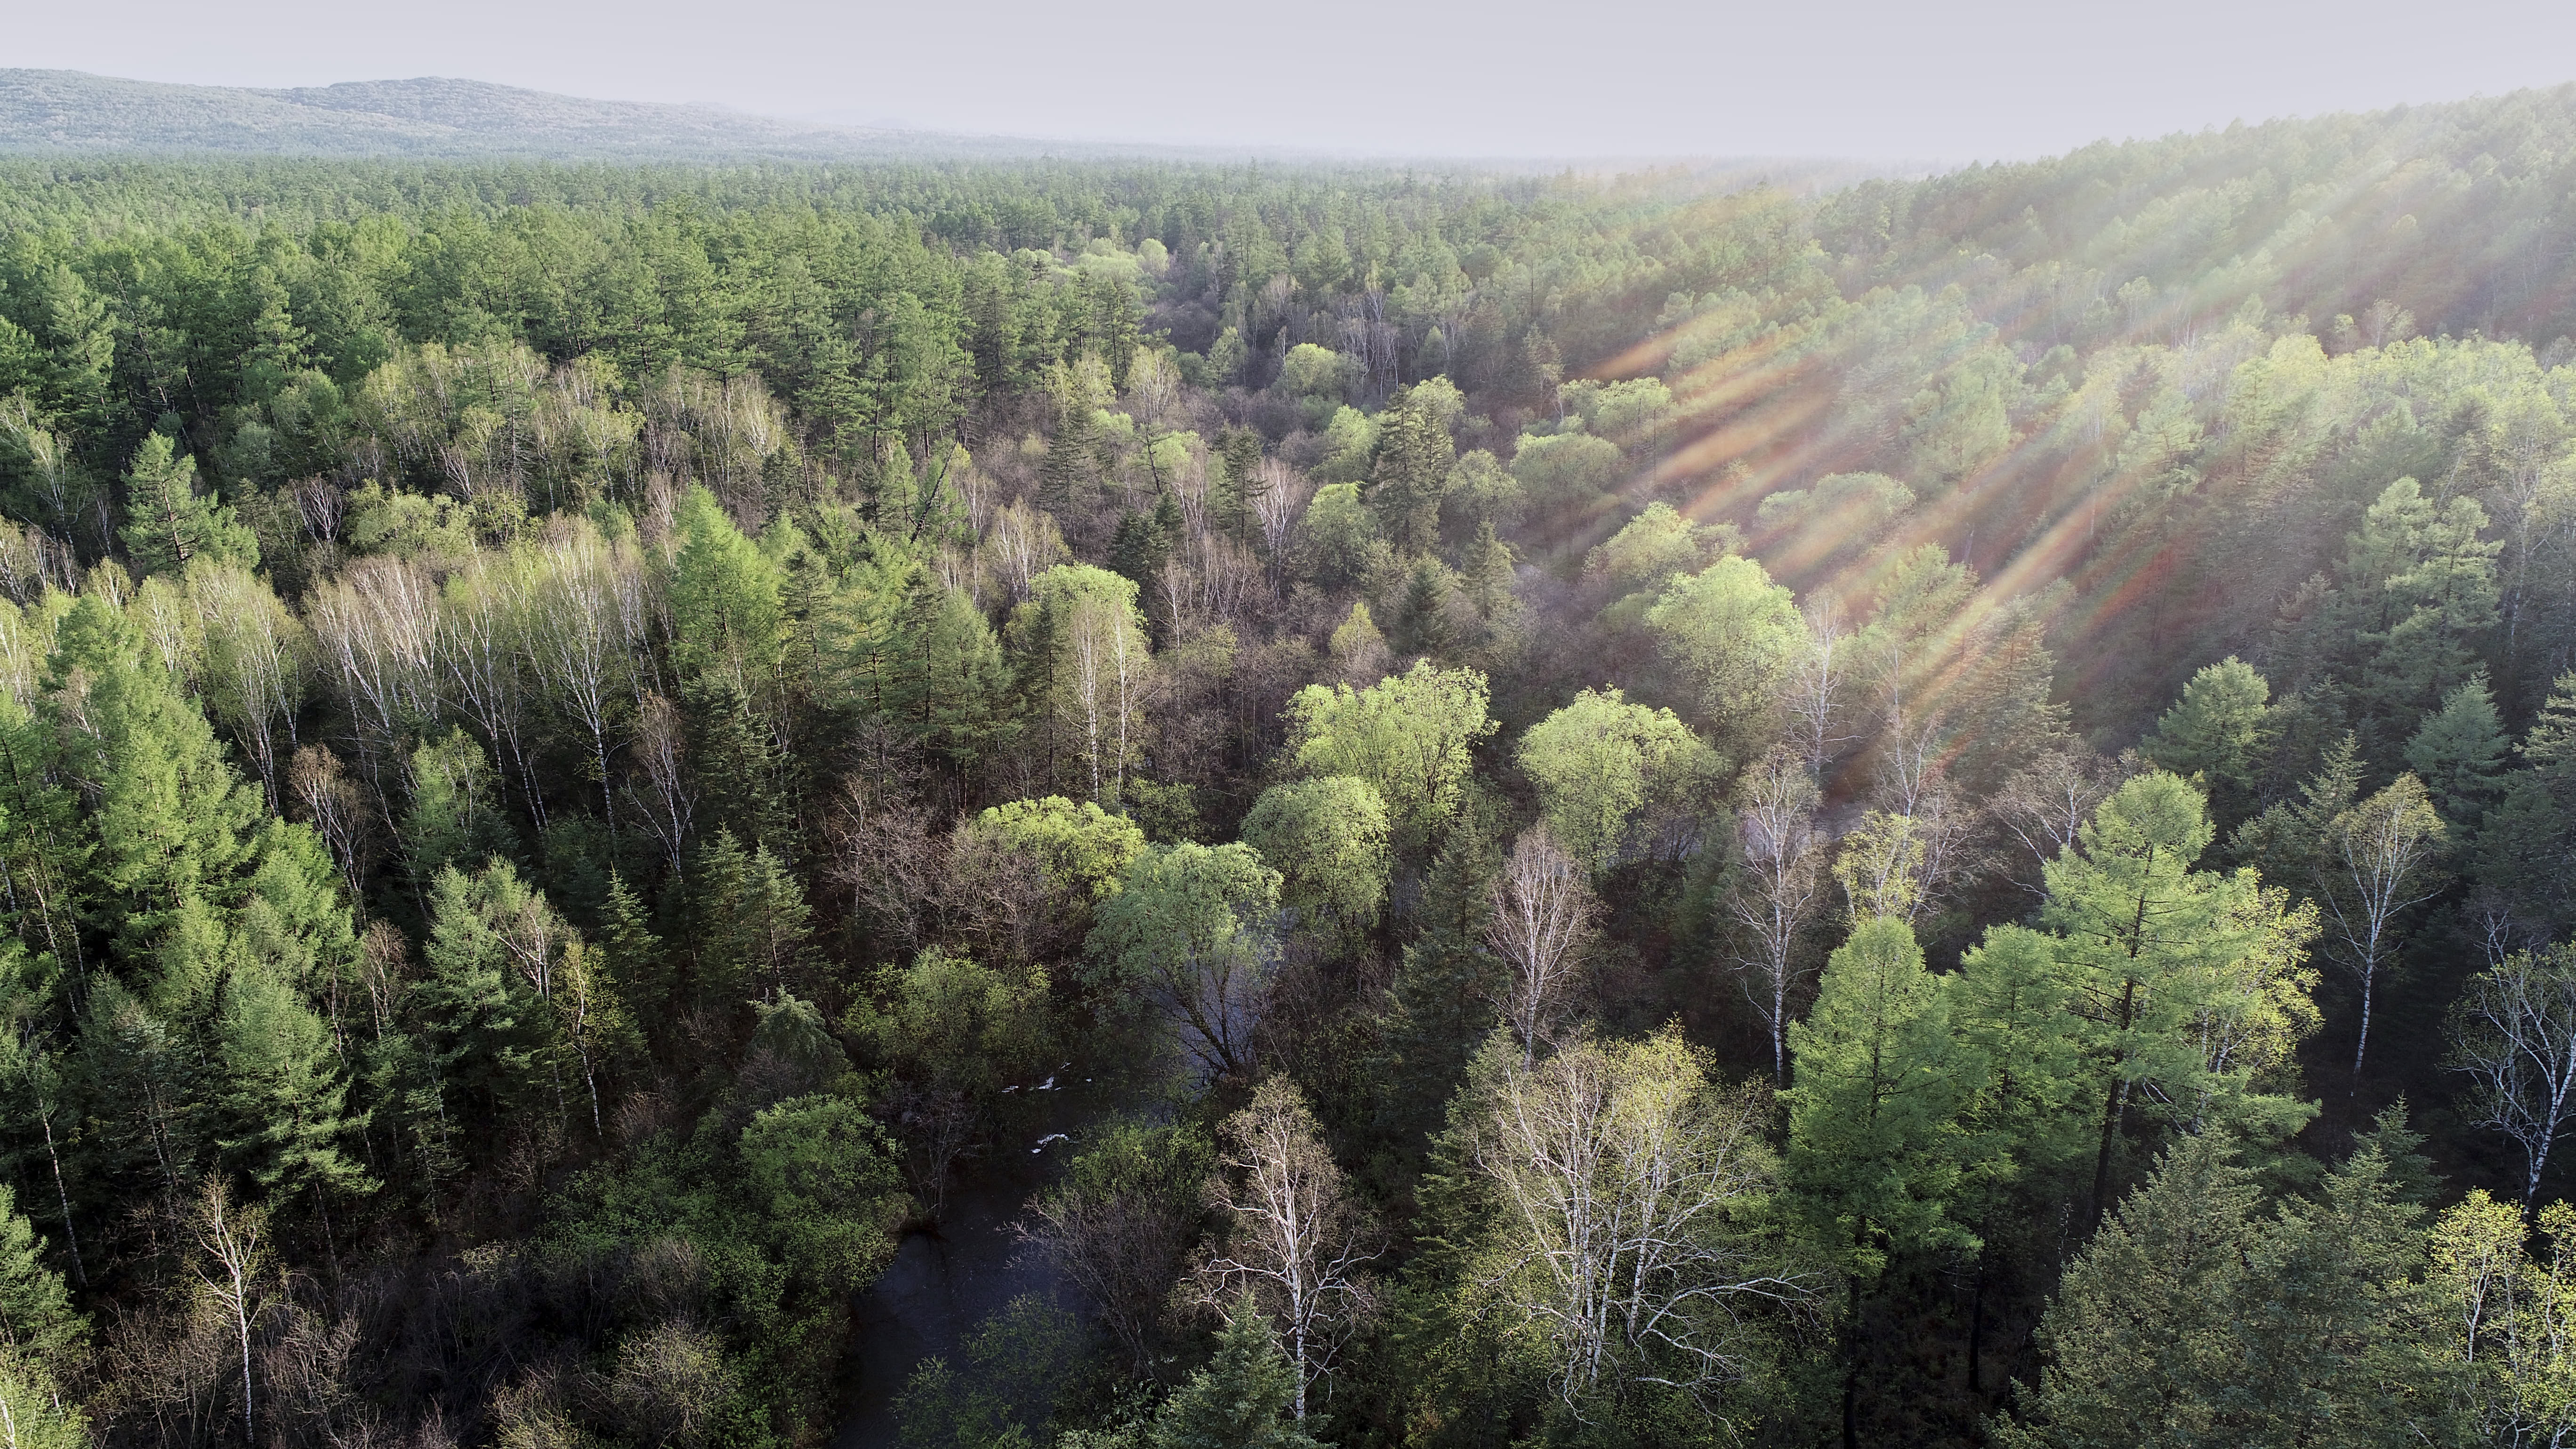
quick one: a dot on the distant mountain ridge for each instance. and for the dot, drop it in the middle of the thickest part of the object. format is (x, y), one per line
(428, 117)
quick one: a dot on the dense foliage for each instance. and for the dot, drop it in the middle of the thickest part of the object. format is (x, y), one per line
(1945, 814)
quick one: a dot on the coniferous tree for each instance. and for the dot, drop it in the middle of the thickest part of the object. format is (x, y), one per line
(168, 523)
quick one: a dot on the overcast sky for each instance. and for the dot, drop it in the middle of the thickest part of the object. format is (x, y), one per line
(1891, 79)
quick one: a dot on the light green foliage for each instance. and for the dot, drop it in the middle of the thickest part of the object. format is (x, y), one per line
(1312, 371)
(819, 1168)
(954, 1023)
(1607, 1216)
(1605, 767)
(1339, 533)
(2218, 730)
(1652, 548)
(1875, 1101)
(1483, 491)
(1631, 413)
(1350, 444)
(1189, 934)
(168, 523)
(1097, 663)
(1081, 848)
(1327, 838)
(1731, 633)
(2509, 1303)
(2197, 1318)
(1411, 737)
(1565, 475)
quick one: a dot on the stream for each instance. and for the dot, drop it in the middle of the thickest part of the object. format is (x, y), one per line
(948, 1278)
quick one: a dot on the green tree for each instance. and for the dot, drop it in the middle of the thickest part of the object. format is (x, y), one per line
(2195, 1318)
(724, 598)
(1238, 1400)
(2218, 730)
(1604, 767)
(1411, 737)
(2142, 936)
(1414, 456)
(2459, 752)
(1731, 634)
(168, 523)
(1327, 838)
(1189, 934)
(1874, 1119)
(819, 1171)
(283, 1095)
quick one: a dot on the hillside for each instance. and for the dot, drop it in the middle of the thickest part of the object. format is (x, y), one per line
(59, 110)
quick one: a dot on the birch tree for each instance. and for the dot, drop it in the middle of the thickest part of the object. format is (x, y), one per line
(1099, 666)
(2513, 1032)
(1295, 1245)
(1542, 915)
(576, 641)
(479, 651)
(1777, 890)
(376, 628)
(253, 663)
(2379, 864)
(231, 1239)
(1616, 1179)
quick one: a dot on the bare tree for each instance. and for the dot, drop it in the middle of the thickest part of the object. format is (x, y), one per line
(1024, 542)
(2513, 1031)
(1279, 507)
(1777, 889)
(481, 613)
(2379, 863)
(2044, 805)
(337, 810)
(1542, 915)
(1616, 1171)
(254, 663)
(1295, 1242)
(232, 1238)
(1817, 682)
(1118, 1237)
(669, 805)
(376, 627)
(576, 641)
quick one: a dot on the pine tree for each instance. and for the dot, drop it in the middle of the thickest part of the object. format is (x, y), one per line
(168, 524)
(2459, 752)
(1413, 460)
(1238, 1400)
(36, 1310)
(282, 1097)
(2219, 731)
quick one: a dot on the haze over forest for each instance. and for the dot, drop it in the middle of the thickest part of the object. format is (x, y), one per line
(673, 779)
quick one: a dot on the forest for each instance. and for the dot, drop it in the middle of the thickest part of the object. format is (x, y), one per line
(1499, 809)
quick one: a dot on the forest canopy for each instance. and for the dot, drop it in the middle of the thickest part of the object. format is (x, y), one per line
(1452, 808)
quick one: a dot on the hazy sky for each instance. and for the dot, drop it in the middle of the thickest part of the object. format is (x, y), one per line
(1969, 79)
